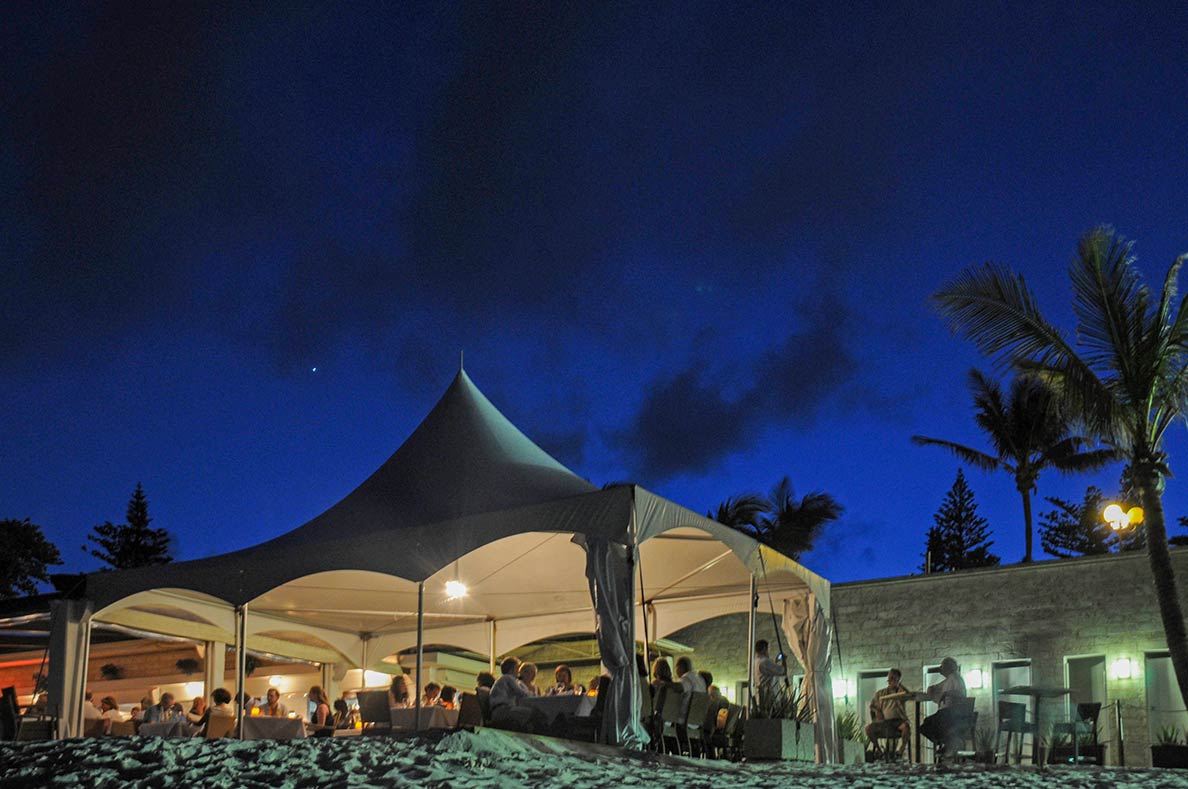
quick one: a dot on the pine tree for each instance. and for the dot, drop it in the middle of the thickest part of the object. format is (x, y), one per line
(131, 544)
(1076, 529)
(960, 538)
(24, 554)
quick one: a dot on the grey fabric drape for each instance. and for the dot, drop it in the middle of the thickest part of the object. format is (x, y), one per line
(609, 573)
(810, 637)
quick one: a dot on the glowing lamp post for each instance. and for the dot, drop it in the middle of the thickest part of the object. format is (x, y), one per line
(1119, 519)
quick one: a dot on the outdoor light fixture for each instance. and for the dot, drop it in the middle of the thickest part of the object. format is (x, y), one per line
(1119, 519)
(1124, 668)
(455, 589)
(275, 680)
(192, 689)
(375, 679)
(975, 678)
(842, 688)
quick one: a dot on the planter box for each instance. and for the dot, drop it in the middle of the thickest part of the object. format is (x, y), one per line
(1169, 756)
(776, 738)
(850, 752)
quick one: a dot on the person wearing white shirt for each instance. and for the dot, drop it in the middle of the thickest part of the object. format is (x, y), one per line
(768, 674)
(506, 694)
(944, 726)
(90, 711)
(690, 680)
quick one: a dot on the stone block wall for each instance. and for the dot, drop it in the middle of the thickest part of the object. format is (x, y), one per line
(1041, 612)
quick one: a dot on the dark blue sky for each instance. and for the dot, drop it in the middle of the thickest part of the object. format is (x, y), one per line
(689, 246)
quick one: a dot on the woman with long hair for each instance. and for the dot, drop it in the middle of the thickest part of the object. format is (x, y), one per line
(322, 721)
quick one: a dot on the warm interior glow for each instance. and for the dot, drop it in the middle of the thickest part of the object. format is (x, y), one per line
(455, 589)
(375, 679)
(192, 690)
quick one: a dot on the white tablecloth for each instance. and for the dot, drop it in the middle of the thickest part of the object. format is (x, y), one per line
(262, 727)
(557, 706)
(173, 728)
(431, 718)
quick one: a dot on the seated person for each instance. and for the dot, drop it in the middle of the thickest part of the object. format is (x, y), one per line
(486, 681)
(109, 711)
(528, 678)
(399, 696)
(321, 724)
(272, 707)
(944, 726)
(690, 680)
(344, 717)
(447, 698)
(197, 710)
(220, 707)
(161, 712)
(432, 695)
(563, 683)
(506, 695)
(661, 673)
(888, 716)
(595, 681)
(90, 711)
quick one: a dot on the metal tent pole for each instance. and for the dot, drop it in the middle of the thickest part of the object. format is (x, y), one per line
(751, 645)
(420, 647)
(241, 664)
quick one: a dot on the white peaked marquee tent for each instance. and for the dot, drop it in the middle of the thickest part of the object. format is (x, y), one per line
(467, 497)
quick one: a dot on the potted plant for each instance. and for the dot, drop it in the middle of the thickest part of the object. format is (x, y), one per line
(850, 731)
(188, 666)
(1063, 751)
(1169, 749)
(780, 727)
(984, 741)
(111, 671)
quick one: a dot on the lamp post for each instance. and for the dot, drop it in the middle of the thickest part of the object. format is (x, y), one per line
(1120, 519)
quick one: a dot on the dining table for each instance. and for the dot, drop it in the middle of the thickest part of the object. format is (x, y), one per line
(917, 697)
(1038, 694)
(264, 727)
(432, 717)
(569, 705)
(173, 728)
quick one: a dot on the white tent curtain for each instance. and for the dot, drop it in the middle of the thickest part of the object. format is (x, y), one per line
(810, 633)
(69, 646)
(609, 573)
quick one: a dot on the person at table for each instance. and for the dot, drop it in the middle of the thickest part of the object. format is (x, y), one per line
(272, 705)
(943, 727)
(139, 710)
(399, 696)
(507, 693)
(197, 710)
(220, 707)
(447, 699)
(484, 683)
(661, 673)
(563, 684)
(162, 711)
(527, 675)
(321, 724)
(90, 711)
(768, 673)
(344, 718)
(109, 711)
(432, 695)
(690, 680)
(888, 716)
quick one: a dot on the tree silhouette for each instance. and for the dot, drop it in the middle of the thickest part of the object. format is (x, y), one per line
(131, 544)
(959, 538)
(780, 520)
(1076, 529)
(24, 554)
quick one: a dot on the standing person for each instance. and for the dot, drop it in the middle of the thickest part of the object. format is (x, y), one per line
(943, 727)
(272, 706)
(767, 673)
(888, 716)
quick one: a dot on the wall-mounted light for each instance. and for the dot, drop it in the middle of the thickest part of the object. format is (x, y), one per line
(843, 688)
(1124, 668)
(975, 678)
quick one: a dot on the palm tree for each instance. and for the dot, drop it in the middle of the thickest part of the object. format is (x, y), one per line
(779, 519)
(1125, 381)
(1028, 434)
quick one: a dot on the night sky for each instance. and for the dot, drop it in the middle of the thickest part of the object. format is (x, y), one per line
(688, 246)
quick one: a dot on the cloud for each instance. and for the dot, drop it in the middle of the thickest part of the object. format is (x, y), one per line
(688, 422)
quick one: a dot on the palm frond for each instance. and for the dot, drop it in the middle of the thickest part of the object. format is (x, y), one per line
(1110, 302)
(741, 511)
(973, 457)
(1090, 460)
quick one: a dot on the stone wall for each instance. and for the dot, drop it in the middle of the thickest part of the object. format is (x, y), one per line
(1041, 612)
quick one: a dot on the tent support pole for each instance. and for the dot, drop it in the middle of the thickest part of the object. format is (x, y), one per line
(491, 641)
(420, 648)
(241, 613)
(751, 645)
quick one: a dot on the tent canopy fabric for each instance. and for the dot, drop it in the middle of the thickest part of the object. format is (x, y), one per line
(466, 497)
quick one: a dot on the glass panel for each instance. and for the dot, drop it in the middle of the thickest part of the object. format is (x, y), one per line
(1087, 680)
(1165, 707)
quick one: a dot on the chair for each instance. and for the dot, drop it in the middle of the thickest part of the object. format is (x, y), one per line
(374, 712)
(886, 745)
(964, 722)
(710, 724)
(694, 728)
(672, 716)
(122, 728)
(96, 727)
(1012, 719)
(218, 726)
(1084, 724)
(484, 700)
(652, 722)
(470, 712)
(590, 727)
(727, 741)
(31, 729)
